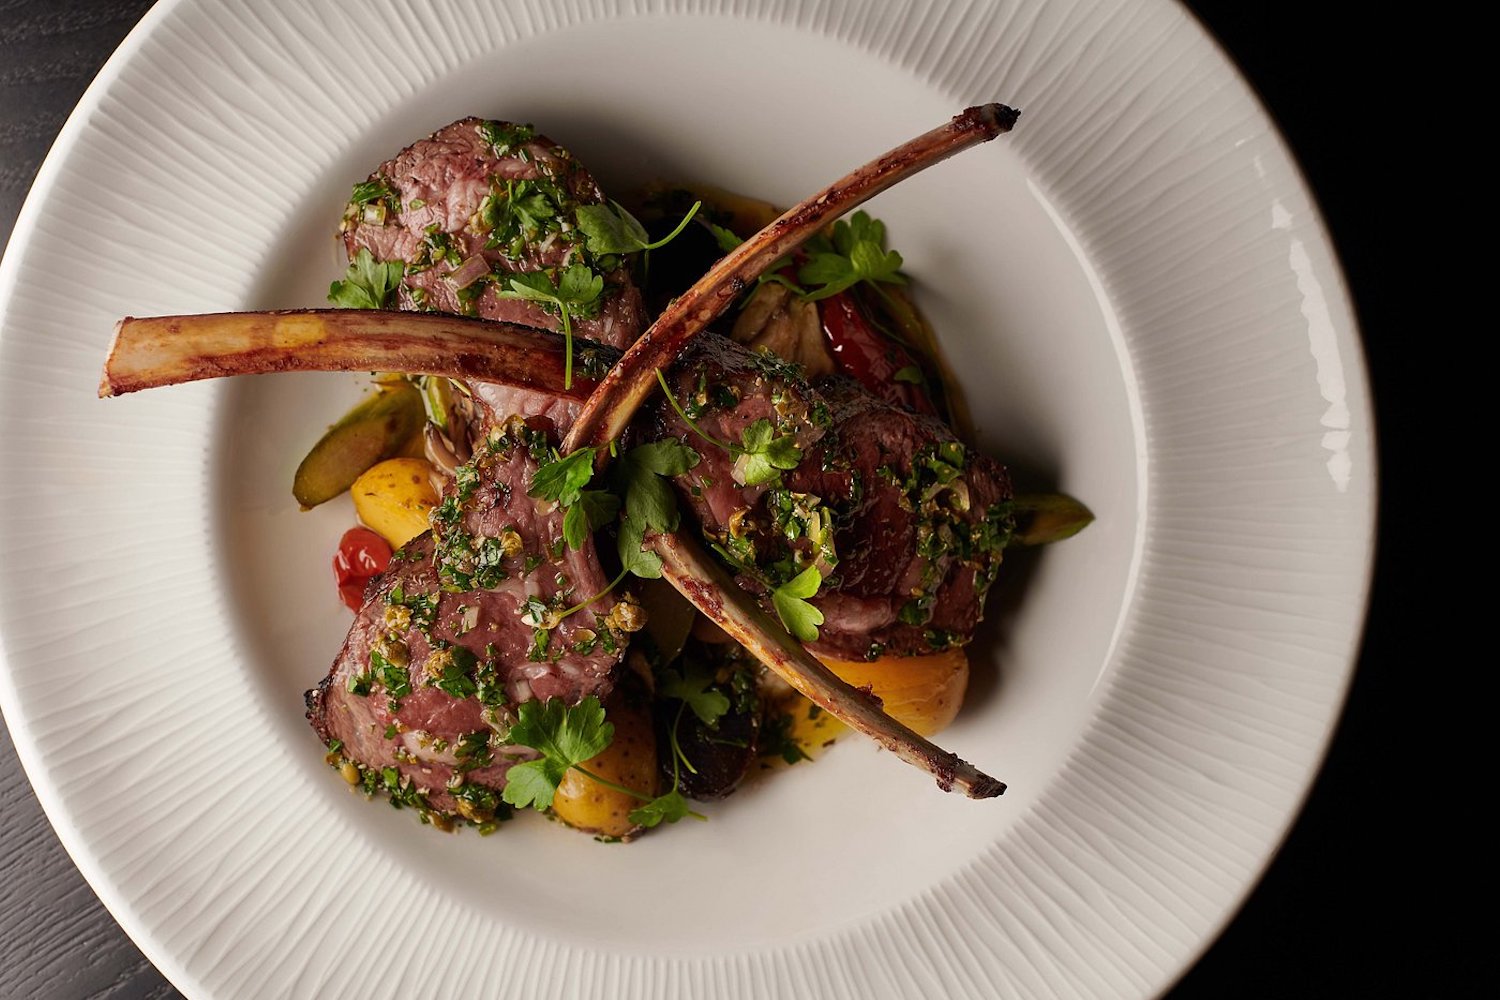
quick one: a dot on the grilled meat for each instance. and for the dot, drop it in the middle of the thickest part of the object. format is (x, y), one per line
(463, 626)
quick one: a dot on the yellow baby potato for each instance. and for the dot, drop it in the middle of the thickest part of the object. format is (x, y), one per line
(924, 692)
(394, 497)
(629, 760)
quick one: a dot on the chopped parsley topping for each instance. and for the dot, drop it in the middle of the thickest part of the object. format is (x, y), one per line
(451, 670)
(505, 136)
(761, 455)
(391, 676)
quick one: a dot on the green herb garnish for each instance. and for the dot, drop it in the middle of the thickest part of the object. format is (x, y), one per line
(592, 511)
(367, 284)
(563, 479)
(505, 136)
(639, 478)
(694, 688)
(612, 229)
(368, 191)
(574, 291)
(764, 452)
(790, 601)
(857, 253)
(767, 453)
(726, 239)
(566, 736)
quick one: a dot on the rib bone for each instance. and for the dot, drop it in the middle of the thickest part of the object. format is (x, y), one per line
(627, 385)
(166, 350)
(708, 588)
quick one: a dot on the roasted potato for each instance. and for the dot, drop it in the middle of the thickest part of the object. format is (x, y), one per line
(924, 692)
(393, 498)
(629, 760)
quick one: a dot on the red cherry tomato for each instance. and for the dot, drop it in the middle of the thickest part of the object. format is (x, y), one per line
(868, 356)
(362, 554)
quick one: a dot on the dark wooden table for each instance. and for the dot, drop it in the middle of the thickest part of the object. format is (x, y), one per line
(1339, 913)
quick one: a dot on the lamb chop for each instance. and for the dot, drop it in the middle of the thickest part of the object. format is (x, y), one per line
(904, 524)
(604, 417)
(478, 198)
(461, 628)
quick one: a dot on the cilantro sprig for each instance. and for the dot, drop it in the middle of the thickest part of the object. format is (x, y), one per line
(574, 291)
(567, 737)
(762, 454)
(368, 284)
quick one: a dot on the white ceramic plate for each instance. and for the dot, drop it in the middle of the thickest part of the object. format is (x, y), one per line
(1145, 310)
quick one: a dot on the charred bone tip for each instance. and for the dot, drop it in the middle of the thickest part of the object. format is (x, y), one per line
(986, 788)
(992, 119)
(687, 565)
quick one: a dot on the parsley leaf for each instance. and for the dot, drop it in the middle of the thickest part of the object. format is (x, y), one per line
(790, 601)
(765, 454)
(368, 284)
(640, 473)
(649, 500)
(695, 689)
(611, 230)
(563, 479)
(727, 240)
(531, 209)
(761, 453)
(614, 230)
(857, 254)
(664, 458)
(566, 736)
(579, 286)
(668, 808)
(646, 565)
(533, 286)
(576, 291)
(594, 509)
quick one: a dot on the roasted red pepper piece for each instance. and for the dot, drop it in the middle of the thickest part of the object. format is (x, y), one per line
(868, 356)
